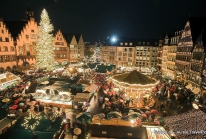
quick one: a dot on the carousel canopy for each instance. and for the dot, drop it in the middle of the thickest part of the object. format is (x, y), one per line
(134, 77)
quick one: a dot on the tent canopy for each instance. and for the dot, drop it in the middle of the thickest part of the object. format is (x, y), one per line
(91, 89)
(120, 132)
(189, 86)
(82, 97)
(45, 82)
(134, 77)
(196, 90)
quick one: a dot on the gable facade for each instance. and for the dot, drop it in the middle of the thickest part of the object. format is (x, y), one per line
(61, 50)
(184, 52)
(80, 45)
(26, 42)
(7, 49)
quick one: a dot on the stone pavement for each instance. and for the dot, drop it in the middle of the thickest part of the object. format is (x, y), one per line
(174, 108)
(94, 106)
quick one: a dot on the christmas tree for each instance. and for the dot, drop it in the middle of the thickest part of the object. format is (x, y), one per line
(44, 48)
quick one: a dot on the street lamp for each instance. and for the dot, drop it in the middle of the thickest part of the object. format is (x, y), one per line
(15, 48)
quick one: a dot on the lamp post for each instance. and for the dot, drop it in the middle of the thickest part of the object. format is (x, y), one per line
(15, 47)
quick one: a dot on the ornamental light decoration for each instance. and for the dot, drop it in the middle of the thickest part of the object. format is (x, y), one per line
(31, 121)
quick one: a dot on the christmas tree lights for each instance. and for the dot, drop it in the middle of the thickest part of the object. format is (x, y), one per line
(44, 48)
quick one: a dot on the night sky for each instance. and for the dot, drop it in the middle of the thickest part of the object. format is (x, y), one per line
(143, 19)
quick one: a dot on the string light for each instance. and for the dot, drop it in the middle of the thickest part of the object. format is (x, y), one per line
(44, 48)
(31, 121)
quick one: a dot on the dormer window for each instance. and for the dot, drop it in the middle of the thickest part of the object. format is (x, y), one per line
(121, 43)
(139, 43)
(143, 43)
(147, 43)
(130, 43)
(126, 43)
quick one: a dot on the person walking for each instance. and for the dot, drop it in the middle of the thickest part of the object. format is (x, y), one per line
(162, 106)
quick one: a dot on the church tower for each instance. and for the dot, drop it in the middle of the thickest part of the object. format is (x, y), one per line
(29, 13)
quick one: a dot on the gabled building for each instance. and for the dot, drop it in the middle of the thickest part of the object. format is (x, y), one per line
(61, 49)
(197, 61)
(169, 54)
(76, 45)
(80, 46)
(7, 49)
(192, 30)
(24, 34)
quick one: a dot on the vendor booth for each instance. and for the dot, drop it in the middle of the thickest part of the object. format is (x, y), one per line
(91, 88)
(81, 99)
(121, 132)
(7, 79)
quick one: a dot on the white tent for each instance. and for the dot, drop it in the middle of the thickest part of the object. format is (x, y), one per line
(45, 82)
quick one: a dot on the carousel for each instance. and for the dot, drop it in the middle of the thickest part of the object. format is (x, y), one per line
(136, 87)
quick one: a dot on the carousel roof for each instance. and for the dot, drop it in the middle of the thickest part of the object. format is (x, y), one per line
(134, 77)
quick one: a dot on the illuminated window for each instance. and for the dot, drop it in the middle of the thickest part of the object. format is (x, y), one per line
(12, 48)
(126, 43)
(27, 36)
(7, 39)
(5, 48)
(121, 43)
(6, 58)
(130, 43)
